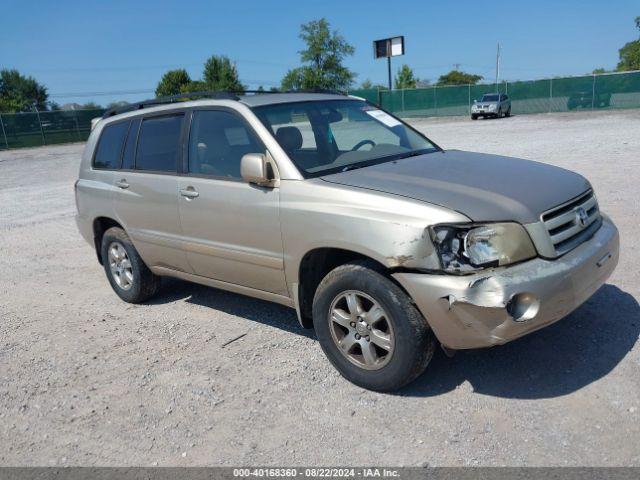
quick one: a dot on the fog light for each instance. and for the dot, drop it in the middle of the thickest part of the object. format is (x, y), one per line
(523, 307)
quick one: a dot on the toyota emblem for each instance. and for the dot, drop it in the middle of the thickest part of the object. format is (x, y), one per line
(581, 217)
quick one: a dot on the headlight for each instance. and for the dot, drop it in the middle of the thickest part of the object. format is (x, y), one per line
(466, 248)
(492, 107)
(474, 107)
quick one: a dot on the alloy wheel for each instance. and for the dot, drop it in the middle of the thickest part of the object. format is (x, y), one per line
(120, 266)
(361, 330)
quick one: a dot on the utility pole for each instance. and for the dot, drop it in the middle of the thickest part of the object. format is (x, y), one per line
(389, 72)
(4, 133)
(497, 66)
(456, 66)
(35, 107)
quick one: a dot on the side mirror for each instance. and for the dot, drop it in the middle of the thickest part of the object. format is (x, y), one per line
(475, 101)
(253, 169)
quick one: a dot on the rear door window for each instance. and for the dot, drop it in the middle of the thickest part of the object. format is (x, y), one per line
(110, 146)
(159, 143)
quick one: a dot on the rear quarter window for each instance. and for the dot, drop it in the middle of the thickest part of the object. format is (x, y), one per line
(110, 146)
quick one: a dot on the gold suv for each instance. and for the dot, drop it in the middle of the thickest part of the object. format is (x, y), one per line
(382, 241)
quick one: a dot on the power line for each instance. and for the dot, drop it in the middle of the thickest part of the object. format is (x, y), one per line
(104, 68)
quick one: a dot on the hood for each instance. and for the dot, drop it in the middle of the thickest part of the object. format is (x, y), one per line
(483, 187)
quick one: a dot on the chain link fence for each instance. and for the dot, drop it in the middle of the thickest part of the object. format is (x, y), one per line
(34, 129)
(592, 92)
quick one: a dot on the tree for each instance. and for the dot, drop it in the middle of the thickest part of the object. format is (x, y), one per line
(366, 84)
(456, 77)
(91, 106)
(172, 82)
(369, 85)
(596, 71)
(322, 59)
(194, 86)
(221, 74)
(117, 104)
(630, 54)
(405, 78)
(295, 79)
(19, 93)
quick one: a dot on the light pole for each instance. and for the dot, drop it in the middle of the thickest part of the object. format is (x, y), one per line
(497, 67)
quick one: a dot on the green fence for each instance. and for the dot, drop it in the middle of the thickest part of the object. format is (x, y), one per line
(592, 92)
(19, 130)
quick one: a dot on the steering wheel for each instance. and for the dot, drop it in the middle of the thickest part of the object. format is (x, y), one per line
(362, 144)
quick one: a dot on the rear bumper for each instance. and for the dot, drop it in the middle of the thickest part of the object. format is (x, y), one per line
(85, 228)
(471, 311)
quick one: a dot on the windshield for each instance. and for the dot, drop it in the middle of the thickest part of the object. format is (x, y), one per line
(323, 137)
(489, 98)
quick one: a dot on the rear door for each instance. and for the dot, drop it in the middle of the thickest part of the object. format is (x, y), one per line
(147, 189)
(231, 228)
(98, 186)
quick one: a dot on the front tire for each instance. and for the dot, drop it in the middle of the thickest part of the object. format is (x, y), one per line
(474, 117)
(369, 329)
(128, 275)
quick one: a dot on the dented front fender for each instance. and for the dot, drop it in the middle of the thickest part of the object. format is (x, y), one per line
(387, 228)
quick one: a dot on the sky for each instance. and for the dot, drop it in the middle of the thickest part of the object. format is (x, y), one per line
(104, 51)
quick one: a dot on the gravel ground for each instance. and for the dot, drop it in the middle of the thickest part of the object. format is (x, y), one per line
(86, 379)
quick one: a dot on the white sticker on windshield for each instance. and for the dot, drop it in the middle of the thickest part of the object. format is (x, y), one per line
(383, 117)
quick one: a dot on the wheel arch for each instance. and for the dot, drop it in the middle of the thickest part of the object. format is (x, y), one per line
(316, 264)
(101, 225)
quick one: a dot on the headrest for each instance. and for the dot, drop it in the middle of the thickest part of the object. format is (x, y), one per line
(289, 138)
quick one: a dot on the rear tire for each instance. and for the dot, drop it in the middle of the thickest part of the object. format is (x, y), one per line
(369, 329)
(508, 114)
(128, 275)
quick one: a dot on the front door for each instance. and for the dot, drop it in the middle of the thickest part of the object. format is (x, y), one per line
(231, 229)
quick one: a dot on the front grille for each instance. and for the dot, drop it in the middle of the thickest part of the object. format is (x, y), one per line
(566, 227)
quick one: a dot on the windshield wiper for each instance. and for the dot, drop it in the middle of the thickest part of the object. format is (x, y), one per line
(353, 167)
(393, 158)
(415, 153)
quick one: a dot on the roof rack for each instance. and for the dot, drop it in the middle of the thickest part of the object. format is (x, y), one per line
(219, 95)
(152, 102)
(307, 90)
(318, 90)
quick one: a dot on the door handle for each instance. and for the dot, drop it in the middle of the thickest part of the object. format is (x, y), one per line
(122, 184)
(189, 193)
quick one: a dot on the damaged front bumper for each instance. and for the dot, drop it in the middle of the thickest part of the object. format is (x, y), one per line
(495, 307)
